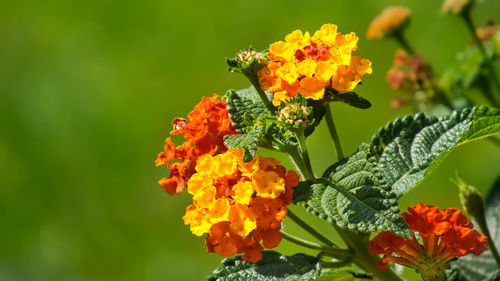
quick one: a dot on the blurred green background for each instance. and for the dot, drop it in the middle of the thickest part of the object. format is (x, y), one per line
(87, 93)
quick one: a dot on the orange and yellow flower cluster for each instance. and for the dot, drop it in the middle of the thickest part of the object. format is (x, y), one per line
(308, 64)
(204, 132)
(445, 234)
(239, 204)
(390, 20)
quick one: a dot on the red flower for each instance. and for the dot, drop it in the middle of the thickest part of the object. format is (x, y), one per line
(204, 132)
(446, 234)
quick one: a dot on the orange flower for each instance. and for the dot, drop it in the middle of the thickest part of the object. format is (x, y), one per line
(446, 234)
(239, 205)
(204, 132)
(387, 22)
(308, 64)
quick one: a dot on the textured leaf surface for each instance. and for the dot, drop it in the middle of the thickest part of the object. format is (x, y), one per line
(245, 107)
(273, 267)
(409, 149)
(248, 142)
(362, 208)
(483, 267)
(365, 186)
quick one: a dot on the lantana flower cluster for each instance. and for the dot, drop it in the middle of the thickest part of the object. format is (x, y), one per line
(239, 205)
(446, 234)
(204, 132)
(308, 64)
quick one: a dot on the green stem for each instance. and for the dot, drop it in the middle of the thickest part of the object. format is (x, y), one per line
(297, 160)
(254, 79)
(472, 28)
(315, 246)
(333, 132)
(309, 229)
(360, 246)
(299, 134)
(335, 264)
(401, 38)
(481, 221)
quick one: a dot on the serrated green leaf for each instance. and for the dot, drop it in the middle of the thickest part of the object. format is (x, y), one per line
(245, 107)
(400, 156)
(363, 208)
(483, 267)
(273, 267)
(409, 149)
(344, 274)
(248, 142)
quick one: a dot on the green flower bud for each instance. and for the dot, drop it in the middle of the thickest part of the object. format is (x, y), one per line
(470, 198)
(295, 116)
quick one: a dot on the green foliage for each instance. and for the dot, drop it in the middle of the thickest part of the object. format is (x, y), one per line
(409, 149)
(273, 267)
(361, 191)
(344, 274)
(483, 267)
(354, 201)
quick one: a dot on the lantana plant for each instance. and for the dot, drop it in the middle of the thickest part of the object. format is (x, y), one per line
(240, 199)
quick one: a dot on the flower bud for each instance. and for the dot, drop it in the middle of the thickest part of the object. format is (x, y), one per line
(470, 198)
(248, 62)
(295, 116)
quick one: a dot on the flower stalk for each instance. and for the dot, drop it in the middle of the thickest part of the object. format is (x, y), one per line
(333, 132)
(308, 172)
(315, 246)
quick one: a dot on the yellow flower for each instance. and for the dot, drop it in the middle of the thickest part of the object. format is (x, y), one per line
(308, 65)
(229, 199)
(390, 20)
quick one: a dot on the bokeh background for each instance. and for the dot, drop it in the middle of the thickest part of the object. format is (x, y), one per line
(87, 93)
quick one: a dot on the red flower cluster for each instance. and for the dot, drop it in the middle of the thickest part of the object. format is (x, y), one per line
(204, 132)
(408, 73)
(445, 234)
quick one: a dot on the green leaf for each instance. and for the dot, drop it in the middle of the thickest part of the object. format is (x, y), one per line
(245, 108)
(248, 142)
(350, 98)
(483, 267)
(365, 208)
(273, 267)
(409, 149)
(344, 274)
(364, 187)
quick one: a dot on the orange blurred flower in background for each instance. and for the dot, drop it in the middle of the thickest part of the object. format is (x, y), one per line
(308, 64)
(204, 132)
(446, 234)
(238, 205)
(387, 22)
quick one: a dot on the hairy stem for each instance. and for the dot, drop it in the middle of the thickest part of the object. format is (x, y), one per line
(299, 134)
(254, 79)
(315, 246)
(333, 132)
(360, 246)
(310, 229)
(481, 221)
(297, 160)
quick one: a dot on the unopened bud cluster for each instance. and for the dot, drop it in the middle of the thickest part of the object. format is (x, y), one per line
(295, 116)
(247, 57)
